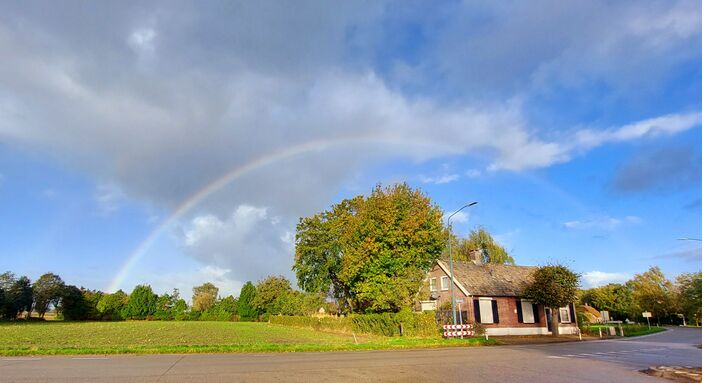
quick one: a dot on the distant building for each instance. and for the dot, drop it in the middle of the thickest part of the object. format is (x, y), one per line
(491, 294)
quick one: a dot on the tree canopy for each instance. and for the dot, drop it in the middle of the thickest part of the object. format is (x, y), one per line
(47, 291)
(371, 252)
(142, 302)
(204, 296)
(480, 240)
(553, 286)
(245, 306)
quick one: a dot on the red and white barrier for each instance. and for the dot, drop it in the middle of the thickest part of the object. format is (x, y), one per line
(458, 333)
(457, 327)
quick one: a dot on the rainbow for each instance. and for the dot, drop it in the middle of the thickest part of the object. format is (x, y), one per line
(265, 160)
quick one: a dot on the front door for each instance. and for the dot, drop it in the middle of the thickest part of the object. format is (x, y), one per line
(548, 318)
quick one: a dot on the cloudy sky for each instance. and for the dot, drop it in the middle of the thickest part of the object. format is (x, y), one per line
(176, 143)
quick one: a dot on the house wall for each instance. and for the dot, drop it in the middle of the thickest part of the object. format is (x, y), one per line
(506, 307)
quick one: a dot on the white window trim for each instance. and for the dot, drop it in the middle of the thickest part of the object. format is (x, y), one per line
(565, 318)
(526, 303)
(447, 282)
(433, 284)
(485, 315)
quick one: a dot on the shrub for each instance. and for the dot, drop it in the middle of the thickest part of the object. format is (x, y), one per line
(386, 324)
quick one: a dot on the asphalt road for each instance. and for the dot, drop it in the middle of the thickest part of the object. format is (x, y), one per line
(595, 361)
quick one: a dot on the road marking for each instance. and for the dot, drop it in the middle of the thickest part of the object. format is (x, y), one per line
(555, 357)
(90, 358)
(19, 359)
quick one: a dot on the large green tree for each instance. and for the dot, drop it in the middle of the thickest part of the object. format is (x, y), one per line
(370, 253)
(690, 296)
(142, 302)
(268, 290)
(553, 286)
(204, 296)
(653, 292)
(18, 297)
(47, 291)
(113, 306)
(73, 305)
(614, 297)
(245, 305)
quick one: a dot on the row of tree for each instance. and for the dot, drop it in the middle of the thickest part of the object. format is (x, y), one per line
(668, 301)
(19, 298)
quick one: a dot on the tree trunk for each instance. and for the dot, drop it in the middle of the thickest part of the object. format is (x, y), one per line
(555, 322)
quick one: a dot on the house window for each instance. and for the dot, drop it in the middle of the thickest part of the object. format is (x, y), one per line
(564, 314)
(485, 310)
(527, 311)
(444, 283)
(433, 284)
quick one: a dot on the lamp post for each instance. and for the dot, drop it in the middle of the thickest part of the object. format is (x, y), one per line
(449, 248)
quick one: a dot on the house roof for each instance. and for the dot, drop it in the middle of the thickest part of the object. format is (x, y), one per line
(491, 279)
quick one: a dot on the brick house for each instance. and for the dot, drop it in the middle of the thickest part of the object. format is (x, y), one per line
(490, 294)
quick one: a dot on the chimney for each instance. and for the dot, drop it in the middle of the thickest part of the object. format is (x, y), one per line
(475, 256)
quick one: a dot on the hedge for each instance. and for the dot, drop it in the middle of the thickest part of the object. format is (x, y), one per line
(386, 324)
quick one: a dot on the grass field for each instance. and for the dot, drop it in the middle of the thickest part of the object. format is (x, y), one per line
(48, 338)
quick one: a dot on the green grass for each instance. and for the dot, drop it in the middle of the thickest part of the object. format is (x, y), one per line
(136, 337)
(628, 329)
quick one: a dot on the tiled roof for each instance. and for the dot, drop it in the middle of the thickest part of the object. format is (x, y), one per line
(492, 279)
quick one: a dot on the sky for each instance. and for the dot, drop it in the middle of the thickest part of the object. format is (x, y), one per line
(174, 143)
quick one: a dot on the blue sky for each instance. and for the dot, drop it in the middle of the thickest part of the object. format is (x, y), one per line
(577, 128)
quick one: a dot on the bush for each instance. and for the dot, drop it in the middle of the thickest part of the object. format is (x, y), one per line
(386, 324)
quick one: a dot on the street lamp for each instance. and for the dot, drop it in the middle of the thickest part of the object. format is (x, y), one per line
(449, 248)
(689, 239)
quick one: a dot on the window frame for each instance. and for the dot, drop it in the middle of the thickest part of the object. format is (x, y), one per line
(433, 285)
(487, 313)
(526, 304)
(567, 317)
(446, 280)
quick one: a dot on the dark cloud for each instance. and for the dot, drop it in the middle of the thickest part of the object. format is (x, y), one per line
(660, 169)
(689, 255)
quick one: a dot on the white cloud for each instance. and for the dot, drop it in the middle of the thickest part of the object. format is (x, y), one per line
(460, 217)
(247, 243)
(439, 180)
(602, 223)
(652, 127)
(109, 198)
(267, 82)
(599, 278)
(473, 173)
(142, 40)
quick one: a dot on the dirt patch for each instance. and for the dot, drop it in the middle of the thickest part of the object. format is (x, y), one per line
(676, 373)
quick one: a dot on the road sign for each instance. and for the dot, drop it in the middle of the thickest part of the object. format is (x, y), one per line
(459, 300)
(647, 314)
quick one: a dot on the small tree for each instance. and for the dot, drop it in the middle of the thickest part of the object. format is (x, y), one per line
(553, 286)
(245, 305)
(18, 298)
(204, 296)
(142, 302)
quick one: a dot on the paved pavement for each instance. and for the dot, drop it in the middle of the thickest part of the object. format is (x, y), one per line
(597, 361)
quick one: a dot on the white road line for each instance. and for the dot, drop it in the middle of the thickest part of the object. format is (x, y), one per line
(19, 359)
(90, 358)
(555, 357)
